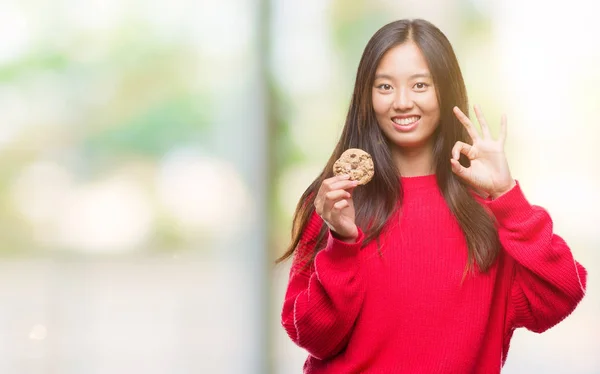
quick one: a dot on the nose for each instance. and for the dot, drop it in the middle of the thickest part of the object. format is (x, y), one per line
(403, 100)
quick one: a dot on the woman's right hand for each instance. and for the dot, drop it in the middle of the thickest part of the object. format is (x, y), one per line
(334, 204)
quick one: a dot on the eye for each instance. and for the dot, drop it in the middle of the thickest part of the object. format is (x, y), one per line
(421, 86)
(385, 87)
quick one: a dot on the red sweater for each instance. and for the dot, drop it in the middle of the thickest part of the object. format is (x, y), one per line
(405, 311)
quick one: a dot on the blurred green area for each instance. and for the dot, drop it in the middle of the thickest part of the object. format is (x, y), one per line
(129, 129)
(94, 101)
(93, 105)
(98, 100)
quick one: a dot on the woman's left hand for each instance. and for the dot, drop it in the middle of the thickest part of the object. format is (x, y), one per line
(489, 170)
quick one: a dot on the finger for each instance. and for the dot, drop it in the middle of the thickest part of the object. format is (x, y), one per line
(343, 185)
(333, 183)
(319, 206)
(336, 210)
(485, 130)
(458, 169)
(336, 195)
(331, 198)
(466, 122)
(332, 216)
(340, 205)
(459, 148)
(335, 178)
(502, 137)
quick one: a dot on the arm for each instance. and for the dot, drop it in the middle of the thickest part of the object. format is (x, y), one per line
(323, 299)
(547, 282)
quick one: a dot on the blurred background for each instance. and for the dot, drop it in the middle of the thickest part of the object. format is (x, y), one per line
(152, 154)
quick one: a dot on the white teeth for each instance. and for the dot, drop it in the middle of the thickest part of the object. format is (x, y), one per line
(405, 121)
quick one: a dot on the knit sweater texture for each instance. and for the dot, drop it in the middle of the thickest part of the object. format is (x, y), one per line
(405, 308)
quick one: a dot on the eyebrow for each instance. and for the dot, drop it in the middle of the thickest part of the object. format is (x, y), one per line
(419, 75)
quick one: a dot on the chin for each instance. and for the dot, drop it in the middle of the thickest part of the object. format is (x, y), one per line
(411, 143)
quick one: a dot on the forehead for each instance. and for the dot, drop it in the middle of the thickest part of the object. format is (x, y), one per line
(403, 60)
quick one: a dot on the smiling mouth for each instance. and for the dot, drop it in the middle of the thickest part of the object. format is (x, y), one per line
(405, 121)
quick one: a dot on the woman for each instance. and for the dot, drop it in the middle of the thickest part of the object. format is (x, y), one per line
(431, 266)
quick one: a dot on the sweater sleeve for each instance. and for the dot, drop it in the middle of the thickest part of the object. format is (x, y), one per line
(547, 282)
(323, 297)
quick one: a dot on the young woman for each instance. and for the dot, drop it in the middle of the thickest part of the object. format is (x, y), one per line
(431, 266)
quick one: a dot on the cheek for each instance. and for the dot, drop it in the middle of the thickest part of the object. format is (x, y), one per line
(430, 104)
(380, 104)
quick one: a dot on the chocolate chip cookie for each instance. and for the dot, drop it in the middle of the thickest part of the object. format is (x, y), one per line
(356, 163)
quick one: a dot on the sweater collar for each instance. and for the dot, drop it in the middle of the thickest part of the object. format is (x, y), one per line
(418, 182)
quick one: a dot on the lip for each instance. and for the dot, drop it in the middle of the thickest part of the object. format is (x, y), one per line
(402, 116)
(406, 128)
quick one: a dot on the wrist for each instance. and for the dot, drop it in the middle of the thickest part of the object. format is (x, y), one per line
(496, 194)
(346, 239)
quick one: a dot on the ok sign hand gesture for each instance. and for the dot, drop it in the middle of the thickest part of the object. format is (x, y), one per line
(489, 170)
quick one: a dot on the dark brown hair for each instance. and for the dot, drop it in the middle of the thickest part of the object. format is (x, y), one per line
(376, 201)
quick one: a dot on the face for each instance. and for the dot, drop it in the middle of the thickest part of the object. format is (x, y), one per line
(404, 98)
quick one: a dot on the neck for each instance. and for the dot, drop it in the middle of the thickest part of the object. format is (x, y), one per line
(414, 162)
